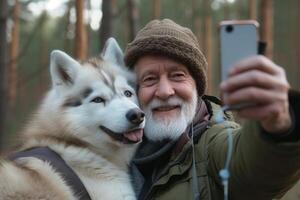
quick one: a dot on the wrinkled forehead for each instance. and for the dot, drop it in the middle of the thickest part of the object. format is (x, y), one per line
(156, 64)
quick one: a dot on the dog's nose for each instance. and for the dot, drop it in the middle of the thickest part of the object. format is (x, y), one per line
(135, 116)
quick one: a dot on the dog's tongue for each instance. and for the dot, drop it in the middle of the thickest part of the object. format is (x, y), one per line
(134, 136)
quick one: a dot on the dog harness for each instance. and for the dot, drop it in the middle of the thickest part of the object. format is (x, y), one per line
(47, 155)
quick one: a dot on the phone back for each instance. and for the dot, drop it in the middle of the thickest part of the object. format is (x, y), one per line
(238, 40)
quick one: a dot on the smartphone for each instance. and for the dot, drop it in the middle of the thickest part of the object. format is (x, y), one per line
(238, 40)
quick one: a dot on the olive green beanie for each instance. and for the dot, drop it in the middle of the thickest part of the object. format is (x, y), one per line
(166, 38)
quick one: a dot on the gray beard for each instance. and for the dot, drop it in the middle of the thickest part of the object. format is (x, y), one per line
(169, 128)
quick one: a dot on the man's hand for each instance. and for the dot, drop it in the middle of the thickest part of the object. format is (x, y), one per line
(263, 84)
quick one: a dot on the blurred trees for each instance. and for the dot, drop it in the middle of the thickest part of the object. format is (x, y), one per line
(43, 32)
(80, 32)
(68, 27)
(14, 50)
(266, 30)
(207, 41)
(252, 9)
(197, 20)
(133, 17)
(156, 9)
(3, 60)
(106, 22)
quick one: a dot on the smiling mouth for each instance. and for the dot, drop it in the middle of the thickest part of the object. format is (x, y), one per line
(166, 108)
(130, 137)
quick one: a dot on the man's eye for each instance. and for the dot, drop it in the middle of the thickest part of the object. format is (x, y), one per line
(149, 80)
(178, 75)
(98, 100)
(127, 93)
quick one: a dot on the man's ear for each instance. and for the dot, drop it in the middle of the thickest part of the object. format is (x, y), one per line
(63, 69)
(113, 53)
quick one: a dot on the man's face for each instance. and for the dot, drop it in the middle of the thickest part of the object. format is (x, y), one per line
(167, 93)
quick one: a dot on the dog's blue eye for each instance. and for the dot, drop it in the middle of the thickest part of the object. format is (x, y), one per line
(127, 93)
(98, 100)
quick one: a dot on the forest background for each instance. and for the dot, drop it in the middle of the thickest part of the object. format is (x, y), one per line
(31, 29)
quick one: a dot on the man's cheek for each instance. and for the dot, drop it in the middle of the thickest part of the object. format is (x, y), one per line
(144, 97)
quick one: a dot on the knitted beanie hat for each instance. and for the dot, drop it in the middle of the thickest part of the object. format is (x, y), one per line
(166, 38)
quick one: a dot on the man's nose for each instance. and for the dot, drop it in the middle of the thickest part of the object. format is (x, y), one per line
(164, 89)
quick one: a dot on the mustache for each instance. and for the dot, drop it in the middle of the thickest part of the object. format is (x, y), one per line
(173, 101)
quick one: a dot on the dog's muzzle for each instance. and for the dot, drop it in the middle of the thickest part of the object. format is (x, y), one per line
(136, 117)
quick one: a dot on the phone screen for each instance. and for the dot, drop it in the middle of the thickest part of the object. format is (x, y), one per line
(238, 40)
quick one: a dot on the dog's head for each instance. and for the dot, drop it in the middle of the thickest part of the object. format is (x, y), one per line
(94, 101)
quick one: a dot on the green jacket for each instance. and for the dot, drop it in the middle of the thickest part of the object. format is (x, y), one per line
(262, 167)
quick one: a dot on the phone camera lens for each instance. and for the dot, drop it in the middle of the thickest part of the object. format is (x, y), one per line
(229, 28)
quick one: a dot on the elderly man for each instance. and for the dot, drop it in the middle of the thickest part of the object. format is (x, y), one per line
(184, 148)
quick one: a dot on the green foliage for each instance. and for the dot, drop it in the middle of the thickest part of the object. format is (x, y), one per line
(41, 34)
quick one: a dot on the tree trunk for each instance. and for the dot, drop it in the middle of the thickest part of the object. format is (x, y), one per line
(14, 50)
(266, 34)
(252, 9)
(133, 16)
(3, 54)
(208, 42)
(67, 39)
(106, 22)
(156, 9)
(43, 59)
(226, 10)
(197, 21)
(297, 52)
(80, 33)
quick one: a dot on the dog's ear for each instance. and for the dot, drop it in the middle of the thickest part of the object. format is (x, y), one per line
(63, 68)
(112, 52)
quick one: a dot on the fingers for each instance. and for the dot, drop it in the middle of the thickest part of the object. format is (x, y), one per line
(259, 82)
(254, 95)
(260, 63)
(255, 79)
(252, 78)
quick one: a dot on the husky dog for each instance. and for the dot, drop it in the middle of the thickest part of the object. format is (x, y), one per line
(90, 118)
